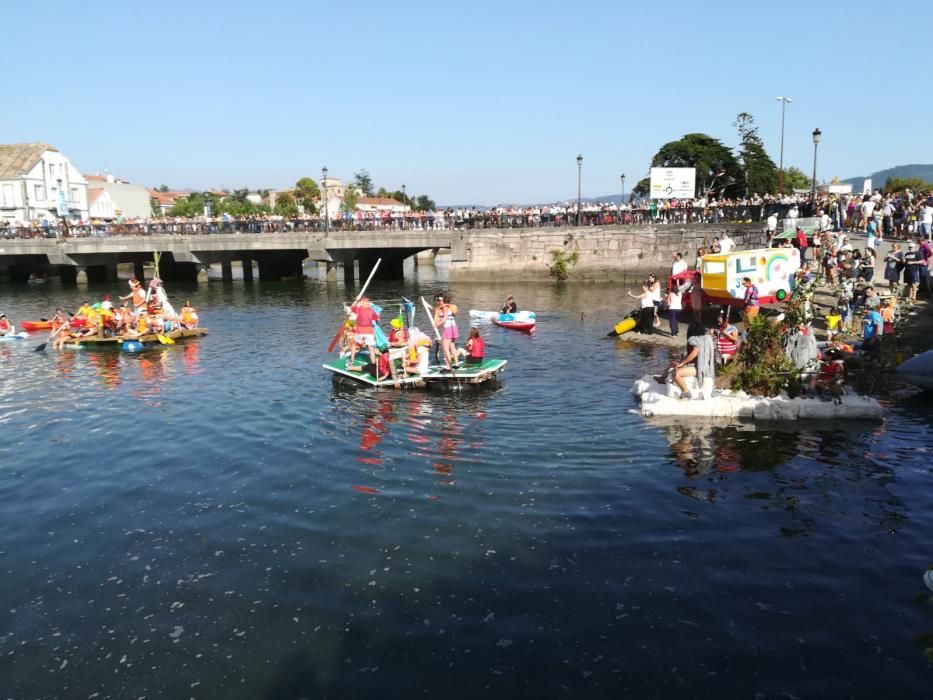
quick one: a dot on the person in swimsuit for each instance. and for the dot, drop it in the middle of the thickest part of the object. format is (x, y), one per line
(446, 322)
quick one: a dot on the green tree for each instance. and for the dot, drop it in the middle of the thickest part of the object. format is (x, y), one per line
(240, 196)
(384, 193)
(899, 184)
(795, 179)
(154, 207)
(350, 199)
(400, 196)
(425, 203)
(363, 182)
(307, 194)
(715, 165)
(642, 188)
(285, 205)
(162, 188)
(760, 172)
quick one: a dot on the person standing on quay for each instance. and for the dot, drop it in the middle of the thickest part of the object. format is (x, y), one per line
(751, 298)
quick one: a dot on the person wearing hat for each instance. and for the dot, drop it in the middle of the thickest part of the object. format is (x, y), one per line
(137, 294)
(365, 335)
(6, 328)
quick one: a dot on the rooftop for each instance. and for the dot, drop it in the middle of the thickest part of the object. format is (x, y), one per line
(17, 159)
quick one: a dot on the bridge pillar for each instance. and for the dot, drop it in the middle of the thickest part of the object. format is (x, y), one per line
(330, 271)
(139, 270)
(349, 272)
(226, 271)
(247, 269)
(203, 277)
(80, 275)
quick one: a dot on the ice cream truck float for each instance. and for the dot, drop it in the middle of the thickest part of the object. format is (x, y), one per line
(772, 270)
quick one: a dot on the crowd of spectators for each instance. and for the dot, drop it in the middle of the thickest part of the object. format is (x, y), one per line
(903, 211)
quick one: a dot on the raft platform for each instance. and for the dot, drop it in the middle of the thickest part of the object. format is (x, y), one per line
(663, 400)
(94, 342)
(436, 374)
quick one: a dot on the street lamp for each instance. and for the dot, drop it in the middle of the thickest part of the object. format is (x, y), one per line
(579, 174)
(404, 200)
(324, 185)
(622, 177)
(783, 100)
(817, 134)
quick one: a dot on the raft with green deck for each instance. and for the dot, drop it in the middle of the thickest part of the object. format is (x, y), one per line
(480, 373)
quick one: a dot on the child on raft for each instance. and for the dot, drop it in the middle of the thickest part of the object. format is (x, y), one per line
(475, 348)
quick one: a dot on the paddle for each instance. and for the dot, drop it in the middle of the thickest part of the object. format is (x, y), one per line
(333, 343)
(41, 346)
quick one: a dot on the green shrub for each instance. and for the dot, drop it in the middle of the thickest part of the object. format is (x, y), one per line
(761, 368)
(561, 263)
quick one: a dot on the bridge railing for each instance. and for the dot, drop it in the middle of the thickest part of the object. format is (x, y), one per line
(465, 220)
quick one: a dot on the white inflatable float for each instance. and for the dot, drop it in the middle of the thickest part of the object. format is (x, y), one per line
(664, 400)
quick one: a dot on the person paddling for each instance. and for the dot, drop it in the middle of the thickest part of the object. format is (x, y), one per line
(510, 306)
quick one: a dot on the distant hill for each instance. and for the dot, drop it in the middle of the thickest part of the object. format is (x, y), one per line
(924, 172)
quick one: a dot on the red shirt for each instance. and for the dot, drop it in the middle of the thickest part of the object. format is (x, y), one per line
(365, 317)
(477, 348)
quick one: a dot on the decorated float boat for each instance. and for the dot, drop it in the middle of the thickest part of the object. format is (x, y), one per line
(486, 371)
(94, 342)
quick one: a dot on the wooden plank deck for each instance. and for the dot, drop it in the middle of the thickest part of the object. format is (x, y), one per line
(465, 374)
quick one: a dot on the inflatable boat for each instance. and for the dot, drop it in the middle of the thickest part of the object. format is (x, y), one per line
(918, 370)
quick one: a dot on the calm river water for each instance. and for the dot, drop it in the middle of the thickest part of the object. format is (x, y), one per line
(218, 520)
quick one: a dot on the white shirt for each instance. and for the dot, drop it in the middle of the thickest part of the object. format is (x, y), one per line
(678, 267)
(868, 208)
(926, 215)
(674, 298)
(726, 244)
(772, 222)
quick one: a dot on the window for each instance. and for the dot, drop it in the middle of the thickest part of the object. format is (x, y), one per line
(7, 196)
(711, 267)
(74, 194)
(39, 191)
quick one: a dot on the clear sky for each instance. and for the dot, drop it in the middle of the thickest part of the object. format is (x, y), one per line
(469, 102)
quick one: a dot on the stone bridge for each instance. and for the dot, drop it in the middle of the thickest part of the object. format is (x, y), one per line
(598, 253)
(184, 256)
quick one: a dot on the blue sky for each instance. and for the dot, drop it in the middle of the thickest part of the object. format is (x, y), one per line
(466, 101)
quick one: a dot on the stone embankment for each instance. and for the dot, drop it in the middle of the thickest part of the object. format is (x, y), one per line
(604, 253)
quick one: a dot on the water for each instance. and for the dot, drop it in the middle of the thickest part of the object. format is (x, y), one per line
(217, 520)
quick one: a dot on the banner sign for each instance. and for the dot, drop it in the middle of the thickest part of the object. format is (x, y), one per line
(673, 183)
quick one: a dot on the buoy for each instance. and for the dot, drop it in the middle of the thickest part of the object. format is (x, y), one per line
(928, 579)
(132, 346)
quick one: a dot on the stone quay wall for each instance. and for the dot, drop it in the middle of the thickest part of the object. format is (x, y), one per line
(605, 253)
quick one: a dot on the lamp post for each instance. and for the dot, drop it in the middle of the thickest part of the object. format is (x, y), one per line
(579, 175)
(324, 195)
(622, 177)
(404, 200)
(817, 134)
(783, 100)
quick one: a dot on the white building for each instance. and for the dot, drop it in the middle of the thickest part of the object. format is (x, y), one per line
(129, 201)
(37, 182)
(100, 204)
(378, 205)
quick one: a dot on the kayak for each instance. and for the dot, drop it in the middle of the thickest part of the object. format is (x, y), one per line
(625, 325)
(495, 315)
(15, 336)
(36, 325)
(525, 326)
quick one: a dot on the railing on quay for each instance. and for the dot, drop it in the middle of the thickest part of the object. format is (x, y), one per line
(467, 220)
